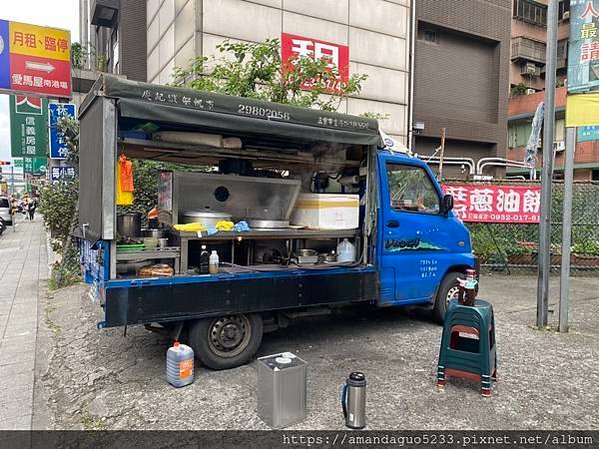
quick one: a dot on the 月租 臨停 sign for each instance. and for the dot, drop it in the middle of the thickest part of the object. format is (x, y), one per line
(35, 59)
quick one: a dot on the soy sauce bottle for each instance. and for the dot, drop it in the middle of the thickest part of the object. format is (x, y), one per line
(204, 261)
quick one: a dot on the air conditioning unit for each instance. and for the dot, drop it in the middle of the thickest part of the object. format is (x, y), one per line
(566, 15)
(531, 69)
(530, 91)
(559, 146)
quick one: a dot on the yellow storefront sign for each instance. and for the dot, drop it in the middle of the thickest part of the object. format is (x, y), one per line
(582, 110)
(33, 40)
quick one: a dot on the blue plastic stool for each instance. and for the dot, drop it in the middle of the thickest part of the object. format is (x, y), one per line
(468, 345)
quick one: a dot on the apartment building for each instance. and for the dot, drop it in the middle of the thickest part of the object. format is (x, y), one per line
(527, 81)
(374, 33)
(113, 36)
(461, 79)
(529, 44)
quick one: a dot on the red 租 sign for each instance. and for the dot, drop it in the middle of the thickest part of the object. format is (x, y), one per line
(293, 46)
(496, 204)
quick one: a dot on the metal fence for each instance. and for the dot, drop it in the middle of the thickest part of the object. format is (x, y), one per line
(512, 248)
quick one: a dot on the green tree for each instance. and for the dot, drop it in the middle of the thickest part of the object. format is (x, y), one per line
(58, 204)
(256, 70)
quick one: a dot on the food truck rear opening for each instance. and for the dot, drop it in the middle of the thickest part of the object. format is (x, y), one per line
(306, 211)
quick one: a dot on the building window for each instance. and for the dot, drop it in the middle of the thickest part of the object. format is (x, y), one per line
(564, 9)
(530, 11)
(595, 175)
(428, 35)
(518, 134)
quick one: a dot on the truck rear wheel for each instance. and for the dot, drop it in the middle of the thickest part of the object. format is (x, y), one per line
(448, 290)
(226, 341)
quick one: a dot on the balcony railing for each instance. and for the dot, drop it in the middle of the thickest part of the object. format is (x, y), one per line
(524, 49)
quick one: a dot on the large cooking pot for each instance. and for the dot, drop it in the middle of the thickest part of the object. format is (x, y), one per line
(207, 217)
(129, 224)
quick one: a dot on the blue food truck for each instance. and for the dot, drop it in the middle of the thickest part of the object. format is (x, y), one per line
(245, 160)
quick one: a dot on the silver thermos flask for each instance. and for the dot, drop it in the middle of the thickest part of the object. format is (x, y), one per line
(353, 401)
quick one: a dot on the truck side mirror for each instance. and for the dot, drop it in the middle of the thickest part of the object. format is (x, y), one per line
(447, 204)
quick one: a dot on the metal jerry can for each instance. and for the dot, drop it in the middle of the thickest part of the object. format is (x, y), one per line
(282, 382)
(353, 401)
(179, 365)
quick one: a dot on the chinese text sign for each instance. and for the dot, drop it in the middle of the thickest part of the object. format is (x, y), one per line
(583, 51)
(62, 172)
(495, 203)
(28, 126)
(338, 55)
(35, 166)
(588, 133)
(58, 146)
(35, 59)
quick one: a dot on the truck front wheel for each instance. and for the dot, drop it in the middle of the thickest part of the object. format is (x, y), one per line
(448, 290)
(226, 341)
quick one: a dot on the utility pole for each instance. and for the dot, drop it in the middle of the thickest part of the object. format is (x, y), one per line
(564, 290)
(442, 155)
(548, 133)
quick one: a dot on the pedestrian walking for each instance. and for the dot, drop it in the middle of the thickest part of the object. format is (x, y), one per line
(31, 206)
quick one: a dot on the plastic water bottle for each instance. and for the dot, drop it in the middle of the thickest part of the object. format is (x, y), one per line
(179, 365)
(346, 251)
(214, 262)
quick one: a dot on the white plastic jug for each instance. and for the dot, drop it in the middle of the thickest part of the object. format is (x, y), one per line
(179, 365)
(346, 251)
(213, 263)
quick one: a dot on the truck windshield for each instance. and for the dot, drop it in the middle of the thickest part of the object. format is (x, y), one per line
(411, 189)
(3, 202)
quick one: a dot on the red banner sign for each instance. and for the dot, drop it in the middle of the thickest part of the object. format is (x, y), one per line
(338, 55)
(496, 204)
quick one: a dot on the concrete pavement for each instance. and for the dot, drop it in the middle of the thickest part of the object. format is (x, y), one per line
(99, 379)
(23, 272)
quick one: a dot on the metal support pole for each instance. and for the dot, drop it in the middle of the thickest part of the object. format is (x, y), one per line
(442, 155)
(12, 195)
(549, 124)
(564, 290)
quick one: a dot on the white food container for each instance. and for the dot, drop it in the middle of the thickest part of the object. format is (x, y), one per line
(326, 211)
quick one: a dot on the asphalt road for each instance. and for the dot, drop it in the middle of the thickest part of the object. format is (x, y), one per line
(91, 379)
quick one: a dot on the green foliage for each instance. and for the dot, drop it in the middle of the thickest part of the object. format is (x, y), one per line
(589, 248)
(58, 203)
(59, 206)
(256, 70)
(68, 129)
(77, 55)
(518, 90)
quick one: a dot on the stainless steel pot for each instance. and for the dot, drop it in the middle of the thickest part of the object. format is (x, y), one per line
(268, 224)
(154, 233)
(129, 224)
(208, 218)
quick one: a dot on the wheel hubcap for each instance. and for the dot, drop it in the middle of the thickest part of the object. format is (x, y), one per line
(452, 294)
(229, 335)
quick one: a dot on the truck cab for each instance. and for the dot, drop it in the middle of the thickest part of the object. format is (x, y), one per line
(422, 246)
(251, 160)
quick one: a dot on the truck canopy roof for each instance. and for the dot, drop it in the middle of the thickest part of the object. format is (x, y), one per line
(173, 108)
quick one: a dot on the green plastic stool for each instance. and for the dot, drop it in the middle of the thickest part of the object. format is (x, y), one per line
(468, 345)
